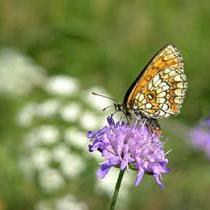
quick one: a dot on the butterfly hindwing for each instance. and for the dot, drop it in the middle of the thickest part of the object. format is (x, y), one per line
(159, 91)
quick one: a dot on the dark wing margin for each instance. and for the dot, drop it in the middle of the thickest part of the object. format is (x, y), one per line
(129, 90)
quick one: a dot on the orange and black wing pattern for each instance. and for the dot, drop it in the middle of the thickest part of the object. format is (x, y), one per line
(159, 90)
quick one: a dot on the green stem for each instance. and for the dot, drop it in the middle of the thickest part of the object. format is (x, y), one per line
(116, 190)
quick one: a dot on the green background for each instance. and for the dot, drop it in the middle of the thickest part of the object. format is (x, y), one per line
(106, 43)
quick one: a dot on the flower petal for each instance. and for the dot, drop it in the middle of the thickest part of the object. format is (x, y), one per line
(110, 121)
(103, 170)
(139, 177)
(158, 180)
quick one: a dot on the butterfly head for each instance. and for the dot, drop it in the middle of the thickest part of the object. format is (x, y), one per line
(118, 107)
(122, 108)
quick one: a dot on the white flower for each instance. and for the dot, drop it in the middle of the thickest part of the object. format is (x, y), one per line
(51, 180)
(26, 115)
(72, 165)
(43, 205)
(90, 121)
(18, 74)
(31, 139)
(48, 108)
(26, 167)
(48, 134)
(60, 152)
(40, 158)
(42, 135)
(70, 112)
(62, 85)
(76, 138)
(69, 202)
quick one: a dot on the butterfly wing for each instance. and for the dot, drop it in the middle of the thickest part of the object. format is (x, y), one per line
(160, 88)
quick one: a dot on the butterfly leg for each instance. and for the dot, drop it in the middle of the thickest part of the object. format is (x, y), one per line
(154, 127)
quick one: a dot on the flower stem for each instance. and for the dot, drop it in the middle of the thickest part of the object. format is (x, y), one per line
(116, 190)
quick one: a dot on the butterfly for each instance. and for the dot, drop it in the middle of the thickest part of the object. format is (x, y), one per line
(158, 91)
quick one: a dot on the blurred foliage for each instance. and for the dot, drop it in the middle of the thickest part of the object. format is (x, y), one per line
(106, 43)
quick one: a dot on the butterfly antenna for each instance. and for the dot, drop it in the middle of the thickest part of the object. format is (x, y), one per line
(104, 109)
(112, 99)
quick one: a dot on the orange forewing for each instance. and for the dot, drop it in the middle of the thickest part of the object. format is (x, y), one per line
(160, 89)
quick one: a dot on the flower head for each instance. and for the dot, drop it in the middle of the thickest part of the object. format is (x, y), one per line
(129, 146)
(200, 136)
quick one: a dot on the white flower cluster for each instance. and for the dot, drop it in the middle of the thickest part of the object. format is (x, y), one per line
(57, 129)
(46, 143)
(18, 74)
(68, 202)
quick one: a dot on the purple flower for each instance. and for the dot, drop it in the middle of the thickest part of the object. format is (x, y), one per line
(129, 146)
(200, 136)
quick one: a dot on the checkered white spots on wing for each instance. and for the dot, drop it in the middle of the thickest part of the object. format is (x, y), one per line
(165, 87)
(150, 85)
(164, 107)
(179, 99)
(178, 78)
(156, 80)
(159, 90)
(183, 76)
(183, 92)
(161, 100)
(185, 85)
(167, 57)
(180, 85)
(162, 94)
(178, 92)
(162, 84)
(173, 49)
(172, 73)
(148, 106)
(144, 101)
(167, 71)
(161, 113)
(140, 96)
